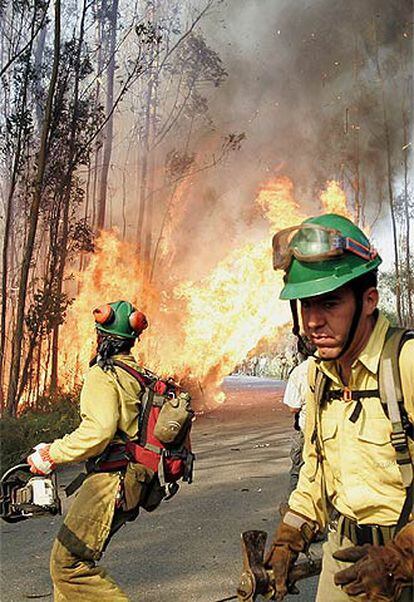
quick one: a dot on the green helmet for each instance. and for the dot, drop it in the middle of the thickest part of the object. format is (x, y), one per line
(324, 253)
(120, 319)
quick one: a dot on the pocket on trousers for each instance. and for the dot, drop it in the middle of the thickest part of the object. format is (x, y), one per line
(136, 480)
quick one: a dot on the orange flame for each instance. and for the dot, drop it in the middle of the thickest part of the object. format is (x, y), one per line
(279, 204)
(333, 199)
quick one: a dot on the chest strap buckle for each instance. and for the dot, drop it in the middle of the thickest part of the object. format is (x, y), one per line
(347, 394)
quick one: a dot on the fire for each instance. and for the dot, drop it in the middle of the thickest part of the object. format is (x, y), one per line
(230, 312)
(198, 331)
(333, 199)
(113, 272)
(279, 204)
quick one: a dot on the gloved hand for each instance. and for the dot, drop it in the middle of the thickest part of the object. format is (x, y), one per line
(40, 461)
(292, 536)
(379, 572)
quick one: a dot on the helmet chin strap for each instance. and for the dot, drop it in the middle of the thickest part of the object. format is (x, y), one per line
(304, 347)
(354, 325)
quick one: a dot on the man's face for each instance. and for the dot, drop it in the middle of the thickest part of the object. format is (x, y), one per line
(327, 320)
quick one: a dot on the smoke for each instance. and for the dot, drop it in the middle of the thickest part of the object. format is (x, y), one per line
(304, 85)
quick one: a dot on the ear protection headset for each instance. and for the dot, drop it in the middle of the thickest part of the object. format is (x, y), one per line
(105, 316)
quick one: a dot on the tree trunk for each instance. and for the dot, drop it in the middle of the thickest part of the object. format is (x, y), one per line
(17, 341)
(143, 188)
(37, 63)
(63, 243)
(108, 131)
(389, 176)
(8, 230)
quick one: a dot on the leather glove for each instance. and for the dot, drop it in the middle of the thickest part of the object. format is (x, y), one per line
(40, 461)
(292, 536)
(379, 572)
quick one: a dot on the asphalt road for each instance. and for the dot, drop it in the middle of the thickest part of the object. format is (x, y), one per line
(189, 548)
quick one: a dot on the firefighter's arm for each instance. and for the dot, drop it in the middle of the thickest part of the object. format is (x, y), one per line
(407, 377)
(99, 409)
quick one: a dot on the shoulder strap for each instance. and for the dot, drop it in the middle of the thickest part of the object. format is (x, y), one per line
(321, 383)
(391, 396)
(137, 375)
(146, 404)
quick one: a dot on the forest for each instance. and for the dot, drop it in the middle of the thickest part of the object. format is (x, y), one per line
(137, 142)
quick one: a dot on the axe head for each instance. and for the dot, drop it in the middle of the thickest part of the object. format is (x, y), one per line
(254, 579)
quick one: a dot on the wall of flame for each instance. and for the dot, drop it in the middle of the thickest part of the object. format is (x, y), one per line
(198, 331)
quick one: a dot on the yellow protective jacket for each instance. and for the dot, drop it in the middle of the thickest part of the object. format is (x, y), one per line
(361, 475)
(109, 401)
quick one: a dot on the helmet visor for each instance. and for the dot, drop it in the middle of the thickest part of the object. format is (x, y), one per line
(312, 243)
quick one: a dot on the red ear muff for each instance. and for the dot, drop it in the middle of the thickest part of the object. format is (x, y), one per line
(104, 314)
(138, 321)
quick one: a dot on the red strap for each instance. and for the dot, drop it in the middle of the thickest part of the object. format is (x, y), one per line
(145, 382)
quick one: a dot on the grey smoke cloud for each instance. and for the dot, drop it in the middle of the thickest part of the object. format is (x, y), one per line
(303, 85)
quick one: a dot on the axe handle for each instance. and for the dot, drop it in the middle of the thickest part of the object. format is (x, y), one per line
(303, 570)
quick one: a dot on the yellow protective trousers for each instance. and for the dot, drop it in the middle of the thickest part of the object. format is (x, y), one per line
(104, 502)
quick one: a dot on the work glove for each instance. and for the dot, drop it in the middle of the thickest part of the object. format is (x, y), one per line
(40, 461)
(379, 572)
(292, 536)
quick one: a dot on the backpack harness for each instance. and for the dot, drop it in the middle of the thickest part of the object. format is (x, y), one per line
(392, 401)
(170, 461)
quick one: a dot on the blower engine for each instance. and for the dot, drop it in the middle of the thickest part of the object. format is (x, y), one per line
(24, 495)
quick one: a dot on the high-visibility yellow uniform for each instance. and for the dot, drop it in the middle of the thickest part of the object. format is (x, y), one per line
(109, 401)
(360, 474)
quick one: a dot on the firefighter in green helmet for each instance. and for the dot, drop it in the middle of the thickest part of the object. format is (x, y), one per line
(114, 488)
(357, 477)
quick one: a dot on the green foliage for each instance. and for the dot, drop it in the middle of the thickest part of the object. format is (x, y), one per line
(53, 419)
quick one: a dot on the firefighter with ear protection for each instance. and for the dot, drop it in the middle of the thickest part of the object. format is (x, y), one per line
(108, 496)
(358, 456)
